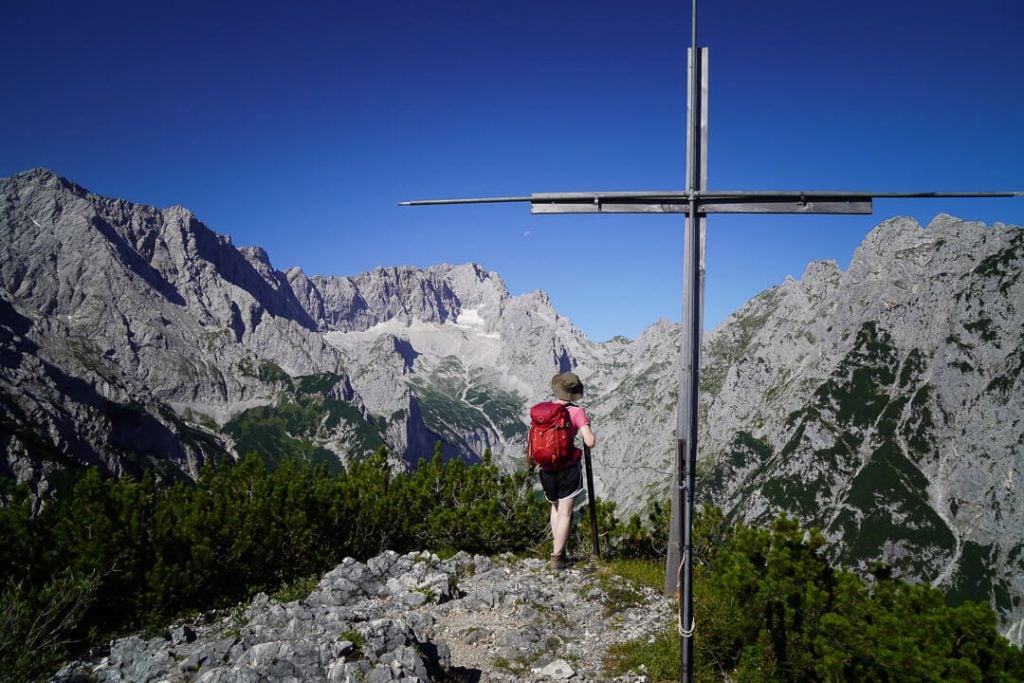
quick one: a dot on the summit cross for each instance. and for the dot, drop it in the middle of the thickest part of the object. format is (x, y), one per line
(696, 201)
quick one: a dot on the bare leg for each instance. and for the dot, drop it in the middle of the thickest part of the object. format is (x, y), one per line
(554, 523)
(561, 520)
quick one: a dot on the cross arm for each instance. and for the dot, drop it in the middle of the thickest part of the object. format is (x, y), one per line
(717, 201)
(706, 202)
(472, 200)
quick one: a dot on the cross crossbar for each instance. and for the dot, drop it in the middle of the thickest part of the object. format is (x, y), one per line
(679, 202)
(714, 201)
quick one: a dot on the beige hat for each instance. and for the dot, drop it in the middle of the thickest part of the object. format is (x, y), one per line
(567, 386)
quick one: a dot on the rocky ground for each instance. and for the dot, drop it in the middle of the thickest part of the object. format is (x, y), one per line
(408, 618)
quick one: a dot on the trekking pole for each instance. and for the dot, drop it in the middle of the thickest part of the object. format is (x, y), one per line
(595, 548)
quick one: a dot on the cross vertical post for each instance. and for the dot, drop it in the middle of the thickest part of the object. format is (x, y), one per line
(679, 560)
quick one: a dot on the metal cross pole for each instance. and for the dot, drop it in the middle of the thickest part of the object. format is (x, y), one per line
(696, 202)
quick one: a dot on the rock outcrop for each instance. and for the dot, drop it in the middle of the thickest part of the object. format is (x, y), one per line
(403, 618)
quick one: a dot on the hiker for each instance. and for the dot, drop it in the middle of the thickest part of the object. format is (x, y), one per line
(561, 475)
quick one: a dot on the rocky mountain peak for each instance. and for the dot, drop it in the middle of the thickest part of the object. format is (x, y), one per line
(407, 294)
(140, 316)
(849, 402)
(44, 177)
(820, 280)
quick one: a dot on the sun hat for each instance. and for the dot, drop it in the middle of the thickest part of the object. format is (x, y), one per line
(567, 386)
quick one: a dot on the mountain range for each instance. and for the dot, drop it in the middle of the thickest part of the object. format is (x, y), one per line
(882, 404)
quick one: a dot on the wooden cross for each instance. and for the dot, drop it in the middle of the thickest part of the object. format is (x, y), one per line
(696, 202)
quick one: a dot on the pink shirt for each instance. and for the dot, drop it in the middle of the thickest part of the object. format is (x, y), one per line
(577, 415)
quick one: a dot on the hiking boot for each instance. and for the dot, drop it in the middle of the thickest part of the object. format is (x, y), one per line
(558, 562)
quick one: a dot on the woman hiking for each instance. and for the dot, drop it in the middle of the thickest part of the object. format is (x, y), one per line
(561, 476)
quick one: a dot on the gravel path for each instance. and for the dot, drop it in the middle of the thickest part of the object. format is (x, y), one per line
(518, 621)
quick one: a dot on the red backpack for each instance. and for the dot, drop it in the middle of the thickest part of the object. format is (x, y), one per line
(550, 443)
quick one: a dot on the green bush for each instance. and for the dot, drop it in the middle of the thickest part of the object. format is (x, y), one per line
(38, 627)
(453, 506)
(640, 537)
(770, 607)
(117, 555)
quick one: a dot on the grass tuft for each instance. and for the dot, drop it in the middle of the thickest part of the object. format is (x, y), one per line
(657, 657)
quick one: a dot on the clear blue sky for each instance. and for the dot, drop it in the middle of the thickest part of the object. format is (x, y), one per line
(300, 126)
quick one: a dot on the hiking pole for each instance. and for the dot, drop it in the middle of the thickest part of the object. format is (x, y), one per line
(594, 547)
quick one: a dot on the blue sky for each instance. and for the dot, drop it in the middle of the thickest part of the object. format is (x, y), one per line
(300, 126)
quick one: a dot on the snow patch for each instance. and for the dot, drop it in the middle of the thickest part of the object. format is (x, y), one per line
(472, 347)
(471, 319)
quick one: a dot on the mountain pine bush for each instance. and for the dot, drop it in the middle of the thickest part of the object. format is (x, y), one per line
(112, 556)
(770, 606)
(116, 555)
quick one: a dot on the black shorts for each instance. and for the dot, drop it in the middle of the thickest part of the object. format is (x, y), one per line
(561, 484)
